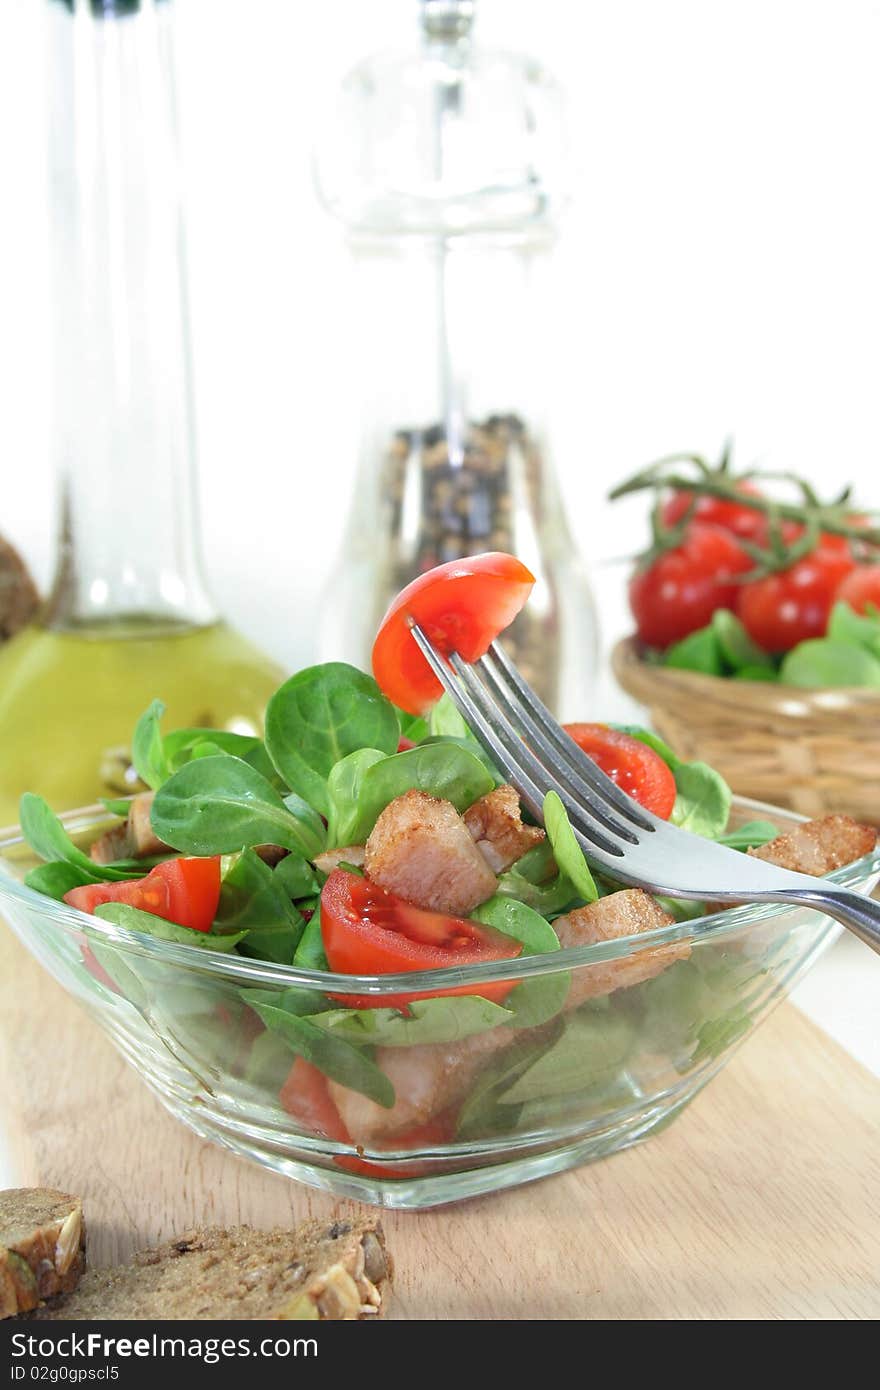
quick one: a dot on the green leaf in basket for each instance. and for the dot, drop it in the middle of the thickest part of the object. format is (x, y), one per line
(862, 629)
(826, 662)
(699, 651)
(735, 645)
(756, 673)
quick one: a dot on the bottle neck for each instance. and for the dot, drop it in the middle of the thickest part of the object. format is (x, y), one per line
(124, 434)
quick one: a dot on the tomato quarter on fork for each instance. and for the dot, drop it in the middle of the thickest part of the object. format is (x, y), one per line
(462, 606)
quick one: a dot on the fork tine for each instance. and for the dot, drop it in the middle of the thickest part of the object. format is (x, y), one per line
(586, 798)
(593, 822)
(581, 772)
(514, 759)
(531, 793)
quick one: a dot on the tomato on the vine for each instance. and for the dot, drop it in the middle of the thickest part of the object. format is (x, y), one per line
(861, 588)
(793, 605)
(681, 589)
(745, 522)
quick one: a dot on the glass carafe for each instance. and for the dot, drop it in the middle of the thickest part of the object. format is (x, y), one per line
(446, 167)
(128, 617)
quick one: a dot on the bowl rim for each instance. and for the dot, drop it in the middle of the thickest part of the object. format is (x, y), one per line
(244, 971)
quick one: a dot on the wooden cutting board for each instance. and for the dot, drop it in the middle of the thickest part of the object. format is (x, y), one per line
(761, 1201)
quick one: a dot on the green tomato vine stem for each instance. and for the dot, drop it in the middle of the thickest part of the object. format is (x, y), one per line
(833, 517)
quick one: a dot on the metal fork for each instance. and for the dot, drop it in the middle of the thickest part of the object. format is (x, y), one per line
(616, 834)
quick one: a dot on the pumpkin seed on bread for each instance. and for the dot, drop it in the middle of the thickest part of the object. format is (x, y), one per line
(42, 1247)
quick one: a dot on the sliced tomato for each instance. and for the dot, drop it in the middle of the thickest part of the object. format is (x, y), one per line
(438, 1130)
(462, 606)
(635, 767)
(185, 891)
(368, 931)
(404, 744)
(305, 1096)
(96, 969)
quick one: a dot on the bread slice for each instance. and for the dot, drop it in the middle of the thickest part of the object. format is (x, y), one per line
(42, 1246)
(315, 1271)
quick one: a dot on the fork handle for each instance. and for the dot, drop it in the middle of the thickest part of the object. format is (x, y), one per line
(858, 914)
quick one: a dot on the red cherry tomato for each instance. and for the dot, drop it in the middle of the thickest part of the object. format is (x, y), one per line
(861, 587)
(789, 607)
(367, 931)
(833, 553)
(185, 891)
(404, 744)
(462, 606)
(635, 767)
(680, 591)
(745, 522)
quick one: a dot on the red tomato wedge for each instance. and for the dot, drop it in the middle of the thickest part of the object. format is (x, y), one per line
(96, 969)
(185, 891)
(635, 767)
(462, 606)
(306, 1097)
(368, 931)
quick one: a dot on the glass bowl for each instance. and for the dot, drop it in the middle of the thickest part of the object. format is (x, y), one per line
(576, 1087)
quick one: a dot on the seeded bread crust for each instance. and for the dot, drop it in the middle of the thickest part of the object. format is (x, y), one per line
(42, 1247)
(316, 1271)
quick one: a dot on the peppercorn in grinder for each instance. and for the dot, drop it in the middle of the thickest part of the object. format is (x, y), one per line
(445, 166)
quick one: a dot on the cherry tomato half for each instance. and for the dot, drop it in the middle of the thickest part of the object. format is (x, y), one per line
(306, 1097)
(745, 522)
(635, 767)
(462, 606)
(680, 591)
(368, 931)
(185, 891)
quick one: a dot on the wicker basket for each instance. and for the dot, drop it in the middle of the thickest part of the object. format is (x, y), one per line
(816, 751)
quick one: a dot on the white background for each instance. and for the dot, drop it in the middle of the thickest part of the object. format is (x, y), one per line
(722, 270)
(722, 264)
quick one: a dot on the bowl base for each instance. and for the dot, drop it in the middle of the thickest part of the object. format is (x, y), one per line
(438, 1189)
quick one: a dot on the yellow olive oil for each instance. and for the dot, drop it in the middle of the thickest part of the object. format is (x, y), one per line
(69, 701)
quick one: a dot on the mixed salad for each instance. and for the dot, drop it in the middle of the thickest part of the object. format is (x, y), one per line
(368, 833)
(740, 582)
